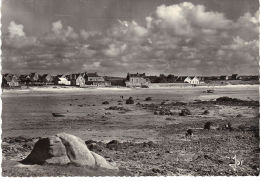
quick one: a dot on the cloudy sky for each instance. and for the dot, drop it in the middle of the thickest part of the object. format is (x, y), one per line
(113, 37)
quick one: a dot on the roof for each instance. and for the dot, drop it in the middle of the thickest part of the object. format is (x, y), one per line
(195, 78)
(10, 77)
(62, 78)
(92, 74)
(33, 74)
(136, 75)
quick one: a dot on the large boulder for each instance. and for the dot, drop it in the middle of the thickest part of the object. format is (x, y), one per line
(48, 150)
(63, 149)
(77, 150)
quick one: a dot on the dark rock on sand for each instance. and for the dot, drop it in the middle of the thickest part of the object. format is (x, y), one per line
(105, 102)
(189, 133)
(130, 100)
(113, 145)
(117, 108)
(210, 125)
(63, 149)
(228, 126)
(57, 115)
(206, 112)
(235, 101)
(239, 116)
(93, 146)
(148, 99)
(149, 144)
(185, 112)
(169, 119)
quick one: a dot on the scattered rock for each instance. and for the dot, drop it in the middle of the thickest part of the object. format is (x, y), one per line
(89, 142)
(105, 102)
(242, 127)
(239, 116)
(148, 99)
(210, 91)
(206, 112)
(210, 125)
(93, 146)
(163, 111)
(235, 101)
(169, 119)
(178, 103)
(185, 112)
(149, 144)
(163, 102)
(189, 133)
(117, 108)
(229, 127)
(113, 145)
(57, 115)
(130, 100)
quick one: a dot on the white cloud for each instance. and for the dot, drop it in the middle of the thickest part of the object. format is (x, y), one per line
(15, 30)
(60, 35)
(17, 37)
(115, 50)
(133, 32)
(86, 52)
(184, 19)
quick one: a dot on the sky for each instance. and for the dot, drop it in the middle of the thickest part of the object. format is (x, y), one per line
(113, 37)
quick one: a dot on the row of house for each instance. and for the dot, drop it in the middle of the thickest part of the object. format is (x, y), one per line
(79, 79)
(141, 80)
(82, 80)
(93, 79)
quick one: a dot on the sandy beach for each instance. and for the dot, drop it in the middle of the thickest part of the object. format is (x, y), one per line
(29, 113)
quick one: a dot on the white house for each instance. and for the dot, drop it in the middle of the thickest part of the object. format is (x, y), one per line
(63, 81)
(187, 80)
(195, 81)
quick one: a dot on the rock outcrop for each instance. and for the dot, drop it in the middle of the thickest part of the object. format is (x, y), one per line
(63, 149)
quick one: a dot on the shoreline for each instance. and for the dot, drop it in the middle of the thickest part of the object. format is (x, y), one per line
(152, 87)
